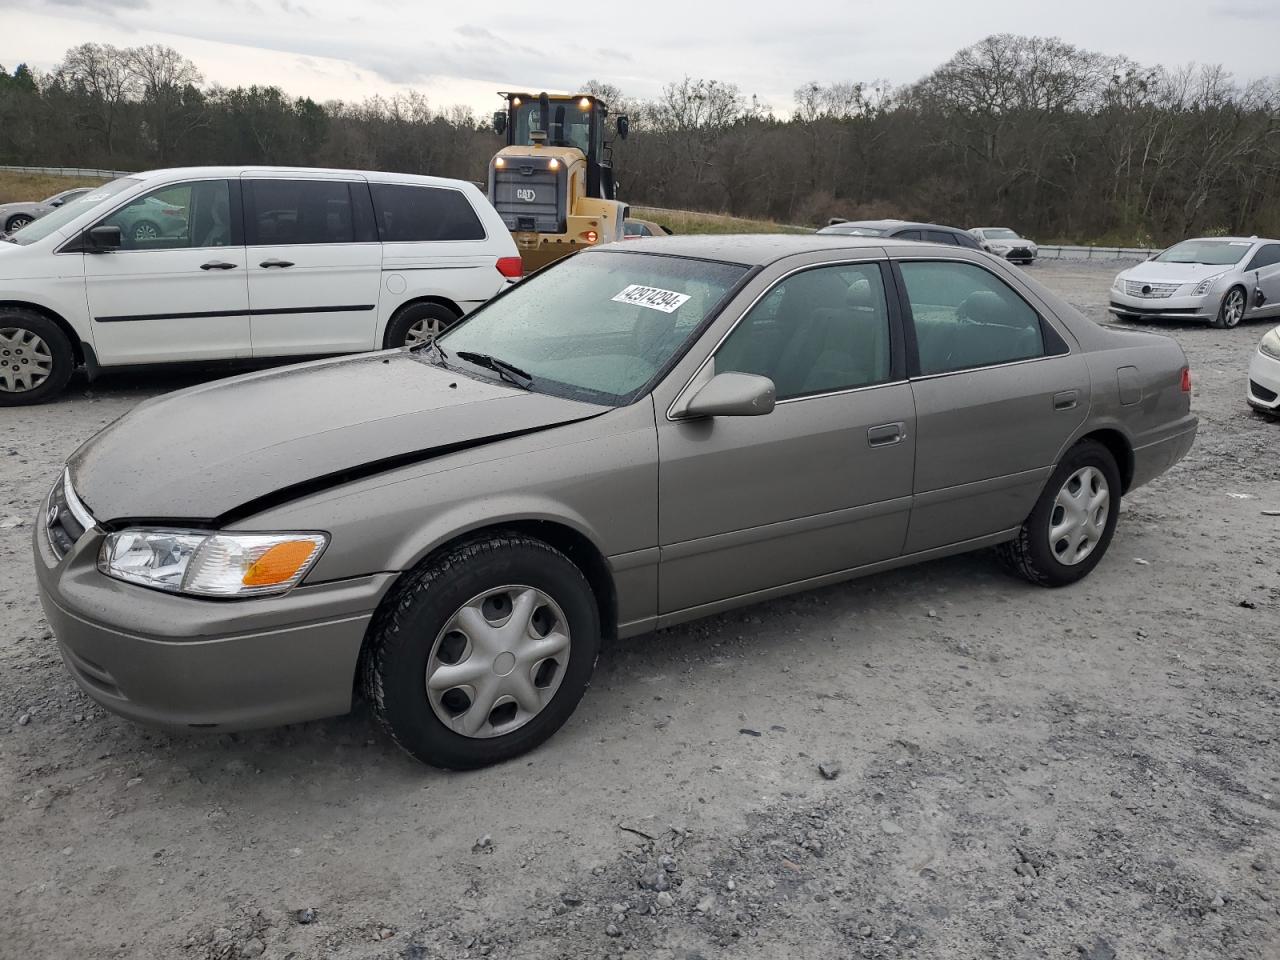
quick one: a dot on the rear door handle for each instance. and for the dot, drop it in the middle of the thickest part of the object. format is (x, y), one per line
(1066, 400)
(276, 263)
(217, 265)
(886, 434)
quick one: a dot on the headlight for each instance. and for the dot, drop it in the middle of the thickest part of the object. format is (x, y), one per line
(1118, 282)
(1270, 344)
(1000, 248)
(1203, 286)
(205, 564)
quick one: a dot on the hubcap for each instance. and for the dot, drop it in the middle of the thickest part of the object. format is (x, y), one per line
(19, 222)
(144, 231)
(25, 360)
(498, 661)
(1079, 516)
(1234, 309)
(423, 330)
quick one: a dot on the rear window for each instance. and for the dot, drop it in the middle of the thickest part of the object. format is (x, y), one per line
(409, 214)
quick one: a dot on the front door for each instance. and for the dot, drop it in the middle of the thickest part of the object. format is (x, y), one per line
(1265, 266)
(997, 393)
(177, 288)
(315, 265)
(823, 483)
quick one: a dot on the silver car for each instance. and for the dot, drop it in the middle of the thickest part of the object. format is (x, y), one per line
(1006, 243)
(641, 435)
(1222, 280)
(15, 216)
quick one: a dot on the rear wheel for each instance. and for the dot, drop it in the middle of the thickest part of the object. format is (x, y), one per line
(36, 358)
(1071, 525)
(483, 653)
(143, 231)
(1232, 310)
(418, 323)
(17, 222)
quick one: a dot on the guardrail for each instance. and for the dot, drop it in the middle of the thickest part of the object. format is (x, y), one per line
(1054, 252)
(67, 171)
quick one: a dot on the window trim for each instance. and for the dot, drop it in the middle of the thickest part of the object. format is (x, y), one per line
(1047, 329)
(250, 209)
(76, 243)
(897, 340)
(377, 223)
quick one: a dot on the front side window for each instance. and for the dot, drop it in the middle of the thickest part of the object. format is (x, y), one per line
(1268, 256)
(290, 212)
(966, 317)
(597, 326)
(1217, 253)
(175, 217)
(817, 331)
(408, 214)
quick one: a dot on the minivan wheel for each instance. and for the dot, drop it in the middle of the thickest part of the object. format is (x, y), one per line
(1232, 310)
(36, 359)
(418, 323)
(483, 653)
(1071, 525)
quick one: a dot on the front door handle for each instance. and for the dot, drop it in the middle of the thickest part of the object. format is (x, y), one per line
(1066, 400)
(217, 265)
(276, 263)
(886, 434)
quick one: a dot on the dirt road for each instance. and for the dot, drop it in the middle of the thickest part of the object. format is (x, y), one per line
(1018, 772)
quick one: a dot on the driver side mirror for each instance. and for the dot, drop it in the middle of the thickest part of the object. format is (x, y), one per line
(500, 122)
(624, 126)
(101, 239)
(733, 395)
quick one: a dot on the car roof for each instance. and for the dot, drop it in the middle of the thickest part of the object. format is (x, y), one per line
(1228, 239)
(375, 176)
(760, 249)
(993, 228)
(891, 225)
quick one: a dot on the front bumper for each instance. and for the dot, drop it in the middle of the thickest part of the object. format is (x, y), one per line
(1264, 383)
(1167, 308)
(181, 662)
(1019, 254)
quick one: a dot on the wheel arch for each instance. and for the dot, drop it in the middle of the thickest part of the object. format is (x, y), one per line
(1119, 446)
(77, 345)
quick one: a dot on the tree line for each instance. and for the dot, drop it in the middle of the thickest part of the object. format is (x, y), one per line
(1060, 142)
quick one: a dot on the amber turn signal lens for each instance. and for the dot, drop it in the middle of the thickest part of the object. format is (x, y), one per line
(279, 563)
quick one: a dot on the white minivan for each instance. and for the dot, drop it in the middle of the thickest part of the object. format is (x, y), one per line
(212, 263)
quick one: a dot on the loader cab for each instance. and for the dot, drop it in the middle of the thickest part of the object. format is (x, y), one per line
(576, 122)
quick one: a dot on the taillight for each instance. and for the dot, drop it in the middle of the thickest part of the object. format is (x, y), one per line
(1186, 379)
(511, 267)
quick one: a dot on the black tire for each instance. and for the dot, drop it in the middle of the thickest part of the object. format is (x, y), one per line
(59, 350)
(398, 328)
(1222, 321)
(17, 222)
(1030, 554)
(394, 666)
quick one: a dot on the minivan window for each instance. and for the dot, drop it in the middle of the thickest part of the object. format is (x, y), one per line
(56, 219)
(179, 216)
(408, 213)
(598, 326)
(290, 212)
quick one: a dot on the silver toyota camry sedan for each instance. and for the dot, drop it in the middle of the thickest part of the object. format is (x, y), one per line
(638, 436)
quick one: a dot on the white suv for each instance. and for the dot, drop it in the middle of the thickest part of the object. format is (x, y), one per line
(207, 263)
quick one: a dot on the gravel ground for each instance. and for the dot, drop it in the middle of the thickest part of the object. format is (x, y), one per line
(1007, 771)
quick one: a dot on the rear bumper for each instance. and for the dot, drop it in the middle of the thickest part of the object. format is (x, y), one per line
(180, 662)
(1264, 383)
(1160, 453)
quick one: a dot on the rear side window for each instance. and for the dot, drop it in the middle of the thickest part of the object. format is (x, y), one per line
(966, 317)
(908, 235)
(409, 214)
(939, 236)
(288, 212)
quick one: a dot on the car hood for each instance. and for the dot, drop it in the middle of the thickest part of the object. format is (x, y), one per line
(218, 452)
(1152, 271)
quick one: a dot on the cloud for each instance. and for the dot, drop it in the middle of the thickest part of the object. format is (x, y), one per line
(109, 7)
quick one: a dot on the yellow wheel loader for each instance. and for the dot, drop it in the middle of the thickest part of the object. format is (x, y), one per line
(553, 182)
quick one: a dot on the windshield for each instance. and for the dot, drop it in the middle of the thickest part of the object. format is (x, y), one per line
(1000, 233)
(1218, 253)
(596, 327)
(570, 125)
(849, 231)
(59, 217)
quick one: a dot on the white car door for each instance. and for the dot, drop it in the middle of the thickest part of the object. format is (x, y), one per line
(315, 264)
(176, 288)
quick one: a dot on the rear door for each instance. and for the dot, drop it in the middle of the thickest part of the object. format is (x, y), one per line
(315, 264)
(177, 287)
(998, 392)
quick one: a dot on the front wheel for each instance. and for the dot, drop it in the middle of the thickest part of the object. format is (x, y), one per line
(1071, 525)
(36, 358)
(483, 653)
(1232, 310)
(17, 222)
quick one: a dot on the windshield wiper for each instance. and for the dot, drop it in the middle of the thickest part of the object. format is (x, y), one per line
(507, 371)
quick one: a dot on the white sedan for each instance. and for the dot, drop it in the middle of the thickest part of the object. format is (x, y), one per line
(1264, 374)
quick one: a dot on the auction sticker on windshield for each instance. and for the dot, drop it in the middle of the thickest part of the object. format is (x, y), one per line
(655, 298)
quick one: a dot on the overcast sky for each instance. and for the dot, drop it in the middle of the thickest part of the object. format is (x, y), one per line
(463, 52)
